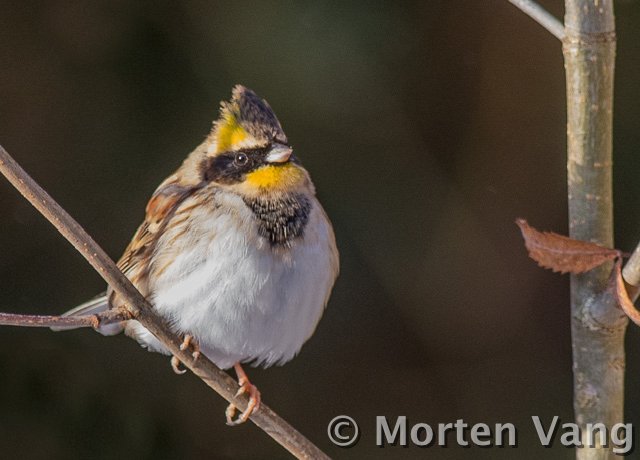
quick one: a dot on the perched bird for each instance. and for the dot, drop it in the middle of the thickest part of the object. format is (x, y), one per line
(235, 252)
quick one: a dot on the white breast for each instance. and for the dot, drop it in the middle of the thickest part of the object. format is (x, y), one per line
(242, 300)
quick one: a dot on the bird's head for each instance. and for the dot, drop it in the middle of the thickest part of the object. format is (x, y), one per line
(248, 150)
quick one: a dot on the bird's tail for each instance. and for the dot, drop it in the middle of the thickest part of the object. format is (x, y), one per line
(93, 307)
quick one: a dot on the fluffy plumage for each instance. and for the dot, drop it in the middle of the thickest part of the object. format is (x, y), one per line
(235, 249)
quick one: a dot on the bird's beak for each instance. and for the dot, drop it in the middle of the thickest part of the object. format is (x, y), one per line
(279, 154)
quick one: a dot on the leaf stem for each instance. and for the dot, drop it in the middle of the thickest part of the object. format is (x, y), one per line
(631, 274)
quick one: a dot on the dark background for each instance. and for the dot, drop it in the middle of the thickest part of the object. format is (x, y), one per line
(428, 127)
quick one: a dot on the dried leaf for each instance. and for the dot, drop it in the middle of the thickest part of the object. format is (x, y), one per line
(561, 253)
(623, 298)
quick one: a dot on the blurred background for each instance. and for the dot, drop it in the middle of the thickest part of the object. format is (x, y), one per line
(428, 127)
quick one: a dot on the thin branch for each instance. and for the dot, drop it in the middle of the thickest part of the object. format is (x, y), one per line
(541, 16)
(143, 312)
(94, 321)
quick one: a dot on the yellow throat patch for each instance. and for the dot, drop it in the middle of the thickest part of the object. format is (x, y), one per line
(283, 176)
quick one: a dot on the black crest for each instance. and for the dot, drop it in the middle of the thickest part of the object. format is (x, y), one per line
(255, 115)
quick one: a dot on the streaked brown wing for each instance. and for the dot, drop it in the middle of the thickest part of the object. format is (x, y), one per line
(135, 261)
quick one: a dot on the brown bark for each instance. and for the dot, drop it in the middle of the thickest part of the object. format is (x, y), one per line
(597, 325)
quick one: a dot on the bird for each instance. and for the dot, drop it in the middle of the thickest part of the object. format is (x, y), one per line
(235, 252)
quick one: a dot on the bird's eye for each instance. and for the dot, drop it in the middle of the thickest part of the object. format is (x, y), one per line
(241, 159)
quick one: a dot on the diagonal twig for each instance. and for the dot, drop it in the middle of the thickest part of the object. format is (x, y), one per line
(541, 16)
(141, 310)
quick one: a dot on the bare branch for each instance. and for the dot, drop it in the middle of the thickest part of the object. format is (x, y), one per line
(541, 16)
(143, 312)
(94, 321)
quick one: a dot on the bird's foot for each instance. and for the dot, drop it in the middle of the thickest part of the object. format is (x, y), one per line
(175, 365)
(254, 399)
(188, 341)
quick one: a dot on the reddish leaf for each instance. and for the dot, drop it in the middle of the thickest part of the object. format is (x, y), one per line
(563, 254)
(623, 298)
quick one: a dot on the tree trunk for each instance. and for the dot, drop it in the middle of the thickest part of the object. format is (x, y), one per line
(598, 326)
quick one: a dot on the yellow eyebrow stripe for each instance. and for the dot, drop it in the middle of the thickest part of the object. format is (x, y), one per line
(229, 133)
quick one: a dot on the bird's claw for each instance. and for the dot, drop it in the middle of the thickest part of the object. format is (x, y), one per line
(254, 399)
(175, 365)
(252, 406)
(186, 343)
(190, 342)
